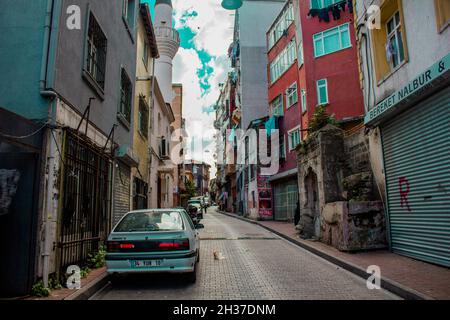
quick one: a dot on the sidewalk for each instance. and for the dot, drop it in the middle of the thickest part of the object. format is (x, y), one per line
(95, 280)
(408, 278)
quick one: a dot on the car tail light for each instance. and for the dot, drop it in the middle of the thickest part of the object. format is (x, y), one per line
(113, 246)
(126, 246)
(182, 244)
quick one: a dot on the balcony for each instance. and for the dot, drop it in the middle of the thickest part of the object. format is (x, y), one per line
(168, 40)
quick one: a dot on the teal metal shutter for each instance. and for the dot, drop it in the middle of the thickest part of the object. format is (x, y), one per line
(416, 148)
(285, 199)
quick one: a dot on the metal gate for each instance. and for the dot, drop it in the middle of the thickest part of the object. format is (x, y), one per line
(285, 198)
(417, 165)
(85, 202)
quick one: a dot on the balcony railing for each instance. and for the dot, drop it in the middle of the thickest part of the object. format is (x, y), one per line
(167, 32)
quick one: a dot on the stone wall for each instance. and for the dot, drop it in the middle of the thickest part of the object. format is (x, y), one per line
(338, 199)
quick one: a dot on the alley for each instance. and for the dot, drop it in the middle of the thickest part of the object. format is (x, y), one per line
(256, 264)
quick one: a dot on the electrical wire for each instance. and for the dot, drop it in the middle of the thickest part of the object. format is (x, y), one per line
(25, 136)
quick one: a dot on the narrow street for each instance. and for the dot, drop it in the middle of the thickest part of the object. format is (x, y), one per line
(256, 264)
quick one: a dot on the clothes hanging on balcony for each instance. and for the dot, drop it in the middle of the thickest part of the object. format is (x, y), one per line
(350, 6)
(336, 11)
(313, 13)
(324, 15)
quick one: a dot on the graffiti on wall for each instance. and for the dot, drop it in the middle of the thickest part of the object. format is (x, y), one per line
(405, 188)
(9, 180)
(265, 196)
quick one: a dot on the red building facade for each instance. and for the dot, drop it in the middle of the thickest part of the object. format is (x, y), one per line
(284, 109)
(329, 54)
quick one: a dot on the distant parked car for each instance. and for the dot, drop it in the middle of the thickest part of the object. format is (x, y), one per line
(199, 204)
(153, 241)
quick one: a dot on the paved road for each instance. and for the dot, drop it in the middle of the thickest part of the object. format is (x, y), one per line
(257, 265)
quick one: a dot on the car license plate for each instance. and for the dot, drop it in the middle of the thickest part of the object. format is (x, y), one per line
(147, 263)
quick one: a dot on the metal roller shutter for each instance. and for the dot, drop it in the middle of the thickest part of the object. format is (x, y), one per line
(285, 199)
(416, 148)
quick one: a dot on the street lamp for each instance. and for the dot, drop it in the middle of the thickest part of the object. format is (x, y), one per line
(231, 4)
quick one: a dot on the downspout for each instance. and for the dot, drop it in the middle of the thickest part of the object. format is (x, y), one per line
(48, 208)
(152, 108)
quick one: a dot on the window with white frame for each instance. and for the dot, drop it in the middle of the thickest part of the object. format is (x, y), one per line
(282, 145)
(332, 40)
(294, 138)
(322, 91)
(394, 49)
(283, 61)
(303, 97)
(300, 56)
(291, 95)
(321, 4)
(277, 106)
(277, 31)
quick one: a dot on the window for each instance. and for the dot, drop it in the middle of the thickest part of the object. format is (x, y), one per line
(279, 29)
(126, 91)
(96, 52)
(140, 190)
(442, 14)
(128, 13)
(332, 40)
(294, 139)
(322, 92)
(395, 52)
(303, 95)
(143, 117)
(282, 147)
(277, 106)
(300, 56)
(283, 61)
(291, 95)
(320, 4)
(145, 54)
(389, 42)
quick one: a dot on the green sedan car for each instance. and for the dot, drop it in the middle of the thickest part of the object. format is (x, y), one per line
(154, 241)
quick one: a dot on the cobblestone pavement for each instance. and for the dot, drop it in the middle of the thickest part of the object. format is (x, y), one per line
(257, 265)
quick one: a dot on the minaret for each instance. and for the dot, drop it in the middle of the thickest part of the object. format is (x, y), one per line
(168, 41)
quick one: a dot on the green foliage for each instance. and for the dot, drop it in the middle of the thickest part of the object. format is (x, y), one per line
(84, 272)
(320, 119)
(97, 260)
(54, 283)
(39, 290)
(191, 191)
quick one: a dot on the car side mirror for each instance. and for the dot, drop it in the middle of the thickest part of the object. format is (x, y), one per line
(199, 226)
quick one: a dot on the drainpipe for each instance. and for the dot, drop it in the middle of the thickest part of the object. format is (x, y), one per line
(48, 208)
(152, 109)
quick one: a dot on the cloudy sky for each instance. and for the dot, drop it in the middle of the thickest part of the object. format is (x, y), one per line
(206, 31)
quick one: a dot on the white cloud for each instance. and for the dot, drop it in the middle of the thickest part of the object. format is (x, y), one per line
(213, 28)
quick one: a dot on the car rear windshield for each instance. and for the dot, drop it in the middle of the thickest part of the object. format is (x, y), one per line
(194, 202)
(151, 221)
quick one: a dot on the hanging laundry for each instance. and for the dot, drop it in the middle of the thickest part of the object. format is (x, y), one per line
(313, 13)
(324, 15)
(336, 12)
(350, 6)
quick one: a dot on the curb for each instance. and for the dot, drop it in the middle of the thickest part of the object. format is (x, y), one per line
(388, 284)
(90, 289)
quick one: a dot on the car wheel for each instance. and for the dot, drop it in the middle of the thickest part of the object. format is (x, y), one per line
(192, 276)
(115, 278)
